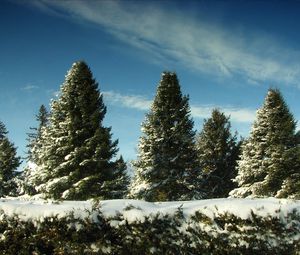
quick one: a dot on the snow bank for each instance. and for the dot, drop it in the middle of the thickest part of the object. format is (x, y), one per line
(133, 210)
(217, 226)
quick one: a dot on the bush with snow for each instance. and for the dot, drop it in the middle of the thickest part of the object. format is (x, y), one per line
(220, 226)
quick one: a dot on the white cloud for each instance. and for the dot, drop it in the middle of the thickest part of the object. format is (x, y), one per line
(139, 102)
(29, 87)
(129, 101)
(240, 115)
(173, 37)
(236, 114)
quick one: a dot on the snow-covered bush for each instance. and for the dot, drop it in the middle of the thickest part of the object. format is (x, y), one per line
(134, 227)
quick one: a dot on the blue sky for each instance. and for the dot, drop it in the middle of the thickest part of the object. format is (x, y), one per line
(225, 53)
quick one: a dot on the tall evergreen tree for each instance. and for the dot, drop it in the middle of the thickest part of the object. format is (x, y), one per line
(166, 168)
(218, 153)
(8, 163)
(77, 152)
(268, 151)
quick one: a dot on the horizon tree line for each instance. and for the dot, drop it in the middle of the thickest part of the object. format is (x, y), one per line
(71, 155)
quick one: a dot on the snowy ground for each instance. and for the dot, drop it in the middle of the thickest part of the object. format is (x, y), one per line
(136, 210)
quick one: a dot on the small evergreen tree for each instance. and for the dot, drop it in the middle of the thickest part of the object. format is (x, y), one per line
(118, 186)
(268, 154)
(8, 163)
(218, 154)
(34, 138)
(30, 175)
(76, 159)
(166, 168)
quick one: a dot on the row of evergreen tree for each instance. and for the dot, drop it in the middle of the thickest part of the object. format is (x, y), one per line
(72, 156)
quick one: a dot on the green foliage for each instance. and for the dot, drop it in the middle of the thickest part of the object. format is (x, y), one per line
(76, 158)
(118, 186)
(35, 137)
(8, 163)
(268, 155)
(28, 178)
(290, 172)
(158, 234)
(166, 168)
(218, 152)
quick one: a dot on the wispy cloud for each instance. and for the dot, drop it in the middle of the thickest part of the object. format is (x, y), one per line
(195, 44)
(141, 103)
(53, 93)
(236, 114)
(129, 101)
(29, 87)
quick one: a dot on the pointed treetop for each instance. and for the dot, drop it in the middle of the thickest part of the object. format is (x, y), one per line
(274, 96)
(79, 64)
(3, 130)
(42, 116)
(170, 79)
(168, 73)
(169, 92)
(79, 69)
(276, 111)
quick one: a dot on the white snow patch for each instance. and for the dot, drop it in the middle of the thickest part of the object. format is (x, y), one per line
(137, 210)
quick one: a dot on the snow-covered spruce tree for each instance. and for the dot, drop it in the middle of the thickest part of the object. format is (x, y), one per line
(34, 137)
(268, 154)
(218, 153)
(118, 186)
(166, 168)
(290, 187)
(30, 177)
(76, 159)
(8, 163)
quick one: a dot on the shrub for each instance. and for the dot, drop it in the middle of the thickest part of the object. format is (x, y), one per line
(152, 234)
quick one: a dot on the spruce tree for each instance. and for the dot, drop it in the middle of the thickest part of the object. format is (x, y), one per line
(290, 187)
(118, 186)
(268, 151)
(166, 168)
(34, 137)
(30, 176)
(218, 153)
(8, 163)
(77, 156)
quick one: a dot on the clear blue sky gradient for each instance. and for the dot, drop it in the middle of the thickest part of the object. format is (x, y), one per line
(225, 53)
